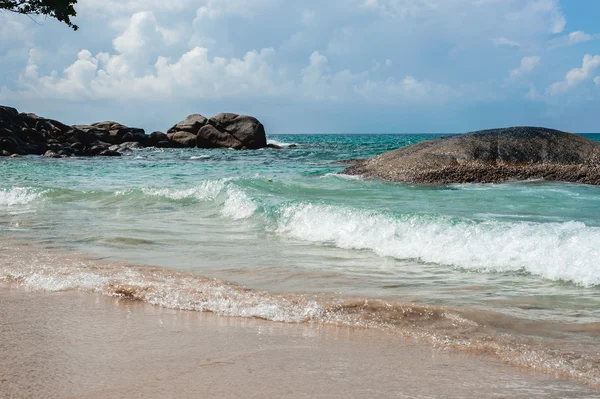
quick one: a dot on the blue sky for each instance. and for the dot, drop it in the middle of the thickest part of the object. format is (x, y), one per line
(361, 66)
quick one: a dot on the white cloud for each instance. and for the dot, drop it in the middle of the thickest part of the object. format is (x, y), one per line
(319, 82)
(183, 51)
(532, 94)
(406, 90)
(502, 41)
(129, 6)
(308, 18)
(214, 9)
(401, 8)
(571, 39)
(597, 80)
(132, 72)
(528, 64)
(539, 14)
(576, 76)
(578, 37)
(534, 11)
(193, 75)
(140, 35)
(342, 42)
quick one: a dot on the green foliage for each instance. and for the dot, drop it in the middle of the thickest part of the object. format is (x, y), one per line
(62, 10)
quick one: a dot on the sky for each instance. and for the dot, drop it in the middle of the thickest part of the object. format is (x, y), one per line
(326, 66)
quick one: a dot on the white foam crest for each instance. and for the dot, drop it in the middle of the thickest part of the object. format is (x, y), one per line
(238, 205)
(207, 190)
(341, 176)
(201, 157)
(15, 196)
(159, 287)
(567, 251)
(280, 143)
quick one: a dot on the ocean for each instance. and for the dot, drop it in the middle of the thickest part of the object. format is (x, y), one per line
(511, 269)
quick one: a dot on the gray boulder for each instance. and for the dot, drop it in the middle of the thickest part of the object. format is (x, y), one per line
(489, 156)
(118, 129)
(210, 137)
(182, 139)
(192, 124)
(246, 129)
(157, 139)
(52, 154)
(87, 134)
(226, 130)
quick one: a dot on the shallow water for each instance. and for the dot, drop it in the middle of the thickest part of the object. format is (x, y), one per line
(515, 258)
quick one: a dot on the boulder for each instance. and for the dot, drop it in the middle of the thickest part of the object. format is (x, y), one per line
(118, 130)
(183, 139)
(154, 138)
(489, 156)
(52, 154)
(221, 131)
(87, 134)
(192, 124)
(210, 137)
(109, 153)
(127, 146)
(26, 133)
(246, 129)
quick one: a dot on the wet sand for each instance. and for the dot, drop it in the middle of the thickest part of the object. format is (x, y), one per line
(76, 345)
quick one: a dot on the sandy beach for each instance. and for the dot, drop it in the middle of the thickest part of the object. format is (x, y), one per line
(76, 345)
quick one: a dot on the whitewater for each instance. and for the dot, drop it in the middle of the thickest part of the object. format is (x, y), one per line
(280, 235)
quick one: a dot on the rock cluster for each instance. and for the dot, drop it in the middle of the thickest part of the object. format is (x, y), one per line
(23, 133)
(240, 132)
(489, 156)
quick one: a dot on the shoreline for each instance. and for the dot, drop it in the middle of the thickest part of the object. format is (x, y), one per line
(88, 345)
(516, 343)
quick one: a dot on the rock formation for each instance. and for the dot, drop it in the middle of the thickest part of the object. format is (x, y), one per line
(240, 132)
(489, 156)
(22, 134)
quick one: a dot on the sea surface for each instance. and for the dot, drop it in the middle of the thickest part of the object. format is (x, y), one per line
(511, 270)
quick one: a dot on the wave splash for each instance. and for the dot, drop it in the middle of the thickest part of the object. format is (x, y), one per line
(556, 251)
(14, 196)
(564, 251)
(446, 327)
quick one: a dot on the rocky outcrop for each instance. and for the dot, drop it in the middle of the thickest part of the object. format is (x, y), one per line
(227, 130)
(192, 124)
(22, 134)
(489, 156)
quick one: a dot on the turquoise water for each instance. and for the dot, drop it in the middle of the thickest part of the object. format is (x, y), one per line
(284, 221)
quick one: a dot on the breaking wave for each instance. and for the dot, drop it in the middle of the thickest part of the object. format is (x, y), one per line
(18, 196)
(471, 330)
(280, 143)
(556, 251)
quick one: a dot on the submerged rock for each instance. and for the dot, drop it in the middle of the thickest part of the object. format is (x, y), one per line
(489, 156)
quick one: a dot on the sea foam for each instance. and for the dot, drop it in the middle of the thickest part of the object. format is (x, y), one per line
(18, 196)
(446, 327)
(234, 202)
(238, 205)
(206, 190)
(556, 251)
(280, 143)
